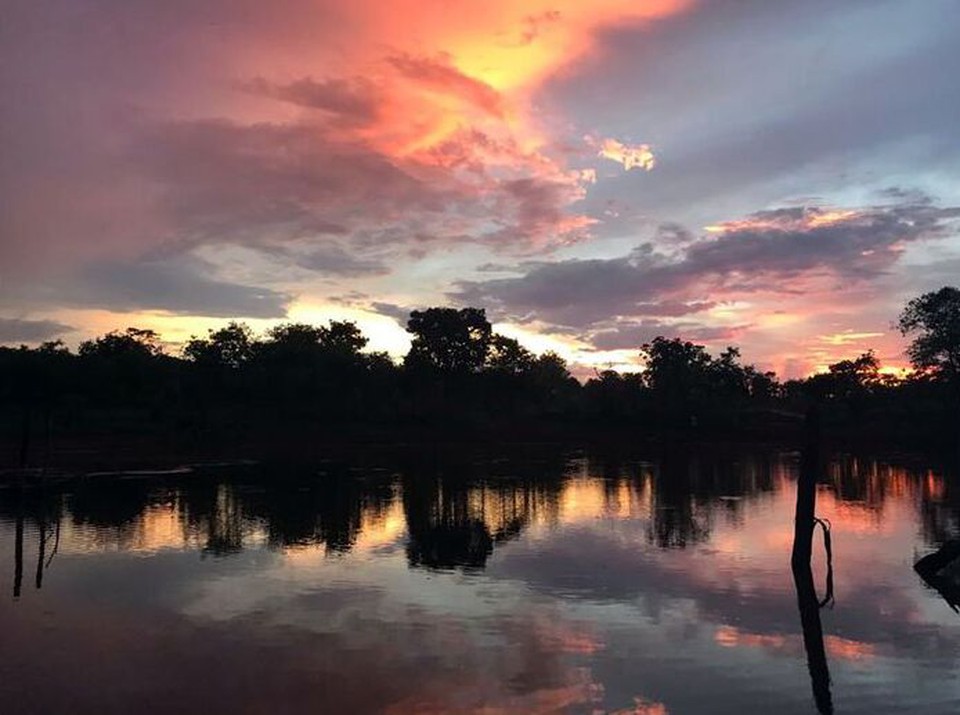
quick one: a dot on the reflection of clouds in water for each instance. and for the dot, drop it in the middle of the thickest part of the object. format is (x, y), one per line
(792, 643)
(574, 607)
(247, 665)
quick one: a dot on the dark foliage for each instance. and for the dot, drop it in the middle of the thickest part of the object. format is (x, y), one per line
(458, 376)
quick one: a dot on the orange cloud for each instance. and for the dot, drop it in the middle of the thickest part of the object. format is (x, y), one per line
(637, 156)
(787, 220)
(456, 88)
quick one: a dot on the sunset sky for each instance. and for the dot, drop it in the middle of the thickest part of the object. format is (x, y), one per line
(774, 174)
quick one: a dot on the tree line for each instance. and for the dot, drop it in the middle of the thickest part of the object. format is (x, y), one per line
(461, 375)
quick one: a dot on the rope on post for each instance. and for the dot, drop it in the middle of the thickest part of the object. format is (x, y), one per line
(828, 549)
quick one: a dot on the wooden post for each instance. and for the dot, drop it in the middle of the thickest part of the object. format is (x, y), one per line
(807, 602)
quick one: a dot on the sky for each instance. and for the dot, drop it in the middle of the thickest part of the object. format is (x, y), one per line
(778, 175)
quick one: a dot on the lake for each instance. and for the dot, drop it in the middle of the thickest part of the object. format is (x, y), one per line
(536, 581)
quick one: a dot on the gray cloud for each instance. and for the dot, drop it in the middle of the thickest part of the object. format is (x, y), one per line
(331, 260)
(763, 252)
(354, 99)
(399, 313)
(230, 182)
(739, 95)
(17, 330)
(181, 286)
(630, 335)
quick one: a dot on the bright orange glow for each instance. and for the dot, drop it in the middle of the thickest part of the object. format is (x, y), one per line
(934, 487)
(381, 529)
(836, 647)
(828, 218)
(732, 637)
(475, 71)
(847, 649)
(806, 220)
(638, 156)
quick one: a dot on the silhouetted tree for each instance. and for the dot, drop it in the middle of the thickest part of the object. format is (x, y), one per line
(934, 318)
(458, 375)
(449, 340)
(846, 379)
(508, 357)
(310, 368)
(127, 368)
(227, 348)
(36, 382)
(130, 344)
(677, 373)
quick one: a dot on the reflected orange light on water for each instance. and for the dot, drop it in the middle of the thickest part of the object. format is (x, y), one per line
(841, 648)
(381, 529)
(732, 637)
(846, 649)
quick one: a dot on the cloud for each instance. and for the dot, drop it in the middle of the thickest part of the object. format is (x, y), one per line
(352, 99)
(159, 148)
(352, 139)
(336, 261)
(181, 286)
(21, 330)
(399, 313)
(636, 156)
(442, 76)
(746, 100)
(773, 251)
(630, 335)
(261, 183)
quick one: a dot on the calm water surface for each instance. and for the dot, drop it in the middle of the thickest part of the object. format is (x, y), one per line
(527, 584)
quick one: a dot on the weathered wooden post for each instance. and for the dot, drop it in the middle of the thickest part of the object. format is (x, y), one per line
(807, 601)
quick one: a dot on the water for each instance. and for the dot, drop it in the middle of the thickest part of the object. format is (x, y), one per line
(544, 582)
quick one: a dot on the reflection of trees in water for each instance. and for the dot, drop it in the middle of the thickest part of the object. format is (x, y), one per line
(37, 516)
(126, 514)
(457, 510)
(940, 506)
(453, 520)
(443, 530)
(109, 503)
(312, 509)
(869, 485)
(689, 490)
(214, 512)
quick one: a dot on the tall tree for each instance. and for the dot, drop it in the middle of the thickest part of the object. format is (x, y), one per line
(449, 340)
(934, 319)
(228, 347)
(123, 366)
(508, 357)
(676, 367)
(132, 343)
